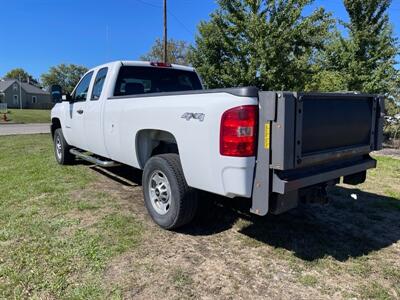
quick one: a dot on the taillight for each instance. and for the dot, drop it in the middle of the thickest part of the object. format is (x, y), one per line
(239, 131)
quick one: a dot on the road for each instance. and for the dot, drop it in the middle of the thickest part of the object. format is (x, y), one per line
(10, 129)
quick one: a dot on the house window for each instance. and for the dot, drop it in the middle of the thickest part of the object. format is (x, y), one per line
(34, 100)
(15, 86)
(15, 99)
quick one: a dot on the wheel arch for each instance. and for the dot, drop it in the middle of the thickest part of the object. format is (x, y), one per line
(150, 142)
(55, 124)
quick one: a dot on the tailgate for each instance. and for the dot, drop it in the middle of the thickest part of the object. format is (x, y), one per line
(310, 138)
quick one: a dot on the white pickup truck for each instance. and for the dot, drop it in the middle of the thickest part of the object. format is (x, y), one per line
(272, 147)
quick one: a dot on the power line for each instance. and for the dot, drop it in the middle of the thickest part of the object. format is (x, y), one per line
(170, 13)
(180, 22)
(148, 3)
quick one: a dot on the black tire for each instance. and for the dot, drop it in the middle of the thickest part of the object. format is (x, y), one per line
(183, 200)
(61, 149)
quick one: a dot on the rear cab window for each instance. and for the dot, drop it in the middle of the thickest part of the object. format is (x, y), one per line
(136, 80)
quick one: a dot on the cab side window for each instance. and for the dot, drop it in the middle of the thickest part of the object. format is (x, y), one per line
(98, 84)
(82, 89)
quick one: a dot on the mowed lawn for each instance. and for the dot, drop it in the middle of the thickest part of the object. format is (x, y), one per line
(78, 232)
(28, 116)
(57, 232)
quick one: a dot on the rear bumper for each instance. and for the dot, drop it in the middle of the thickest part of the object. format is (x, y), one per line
(298, 179)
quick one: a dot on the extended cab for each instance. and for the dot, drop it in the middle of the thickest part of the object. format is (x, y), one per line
(272, 147)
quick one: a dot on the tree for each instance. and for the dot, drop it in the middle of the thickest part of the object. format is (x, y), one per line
(21, 74)
(365, 59)
(372, 47)
(177, 52)
(67, 76)
(266, 43)
(327, 70)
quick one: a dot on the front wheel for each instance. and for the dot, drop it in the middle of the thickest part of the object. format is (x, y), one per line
(61, 149)
(170, 202)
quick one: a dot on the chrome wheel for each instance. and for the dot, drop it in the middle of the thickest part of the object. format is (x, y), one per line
(58, 147)
(160, 192)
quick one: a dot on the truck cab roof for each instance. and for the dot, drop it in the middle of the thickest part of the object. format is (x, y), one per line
(145, 64)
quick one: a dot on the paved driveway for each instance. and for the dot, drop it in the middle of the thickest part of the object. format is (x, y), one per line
(9, 129)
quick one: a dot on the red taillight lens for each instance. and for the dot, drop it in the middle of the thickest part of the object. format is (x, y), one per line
(239, 131)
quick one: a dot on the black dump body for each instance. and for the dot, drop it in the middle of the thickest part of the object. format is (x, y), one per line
(309, 140)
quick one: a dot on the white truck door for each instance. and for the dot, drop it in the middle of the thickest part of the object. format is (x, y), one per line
(93, 115)
(76, 114)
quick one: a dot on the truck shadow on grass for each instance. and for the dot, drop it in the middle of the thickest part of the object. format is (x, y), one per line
(345, 228)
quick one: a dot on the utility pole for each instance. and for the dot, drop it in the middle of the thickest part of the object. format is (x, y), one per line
(165, 33)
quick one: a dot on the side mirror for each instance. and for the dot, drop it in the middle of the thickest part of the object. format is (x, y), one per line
(55, 93)
(66, 97)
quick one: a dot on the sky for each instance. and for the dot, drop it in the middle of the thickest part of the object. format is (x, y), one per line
(38, 34)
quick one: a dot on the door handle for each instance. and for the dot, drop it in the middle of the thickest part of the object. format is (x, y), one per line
(80, 111)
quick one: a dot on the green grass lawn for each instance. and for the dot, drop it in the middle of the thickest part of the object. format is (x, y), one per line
(47, 249)
(67, 232)
(29, 115)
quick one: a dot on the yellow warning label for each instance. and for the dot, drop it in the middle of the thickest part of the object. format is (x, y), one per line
(267, 137)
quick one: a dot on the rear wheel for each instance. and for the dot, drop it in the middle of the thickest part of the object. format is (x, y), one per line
(61, 149)
(169, 200)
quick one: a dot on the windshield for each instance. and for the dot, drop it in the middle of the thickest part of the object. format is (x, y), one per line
(134, 80)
